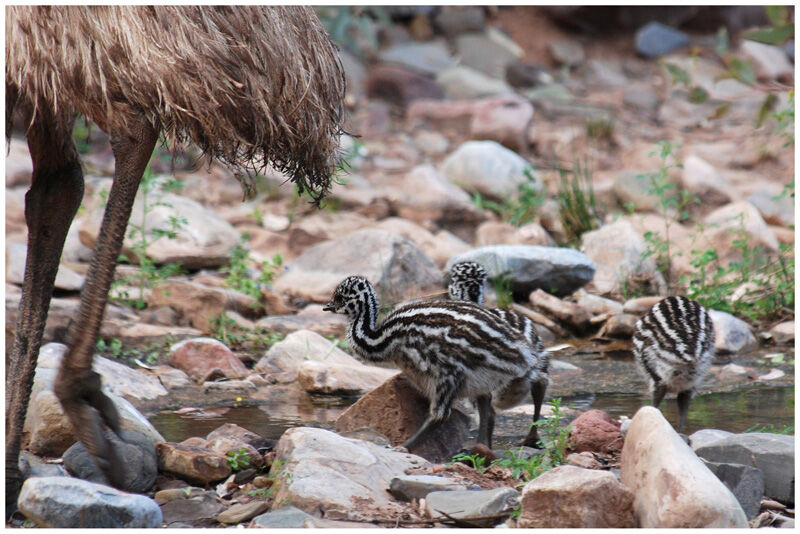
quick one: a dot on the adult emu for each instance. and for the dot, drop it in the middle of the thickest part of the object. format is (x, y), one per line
(251, 86)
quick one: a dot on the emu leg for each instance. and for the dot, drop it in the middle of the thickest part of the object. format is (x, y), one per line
(77, 386)
(50, 205)
(485, 420)
(683, 407)
(659, 390)
(446, 391)
(538, 389)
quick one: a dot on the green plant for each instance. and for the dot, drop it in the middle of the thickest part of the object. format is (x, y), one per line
(272, 482)
(476, 460)
(147, 354)
(520, 208)
(149, 273)
(600, 127)
(238, 460)
(771, 429)
(577, 208)
(238, 277)
(225, 330)
(113, 347)
(502, 287)
(81, 133)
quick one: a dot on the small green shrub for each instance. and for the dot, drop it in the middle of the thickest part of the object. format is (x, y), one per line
(476, 460)
(771, 429)
(577, 208)
(519, 209)
(238, 460)
(225, 330)
(238, 277)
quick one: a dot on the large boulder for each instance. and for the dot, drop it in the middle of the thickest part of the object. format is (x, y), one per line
(773, 454)
(672, 488)
(559, 271)
(732, 335)
(62, 502)
(396, 410)
(617, 249)
(396, 267)
(572, 497)
(284, 358)
(745, 482)
(438, 248)
(488, 168)
(323, 473)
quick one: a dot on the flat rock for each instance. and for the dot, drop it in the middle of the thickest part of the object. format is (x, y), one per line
(572, 497)
(335, 379)
(671, 486)
(488, 52)
(488, 168)
(595, 431)
(408, 487)
(569, 53)
(617, 250)
(239, 513)
(655, 39)
(284, 358)
(783, 333)
(61, 502)
(707, 436)
(470, 503)
(285, 517)
(396, 267)
(502, 119)
(745, 482)
(203, 357)
(732, 334)
(400, 86)
(464, 82)
(396, 410)
(19, 167)
(195, 509)
(559, 271)
(315, 320)
(322, 472)
(426, 58)
(191, 461)
(455, 20)
(773, 454)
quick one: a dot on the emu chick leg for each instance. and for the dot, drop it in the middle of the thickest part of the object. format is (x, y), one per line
(77, 386)
(538, 389)
(50, 205)
(485, 420)
(684, 397)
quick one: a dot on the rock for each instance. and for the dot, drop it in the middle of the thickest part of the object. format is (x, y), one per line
(569, 53)
(431, 143)
(455, 20)
(66, 278)
(774, 374)
(489, 169)
(238, 513)
(464, 82)
(285, 517)
(172, 378)
(604, 74)
(470, 503)
(196, 509)
(631, 189)
(727, 222)
(229, 446)
(671, 486)
(773, 454)
(60, 502)
(528, 75)
(31, 465)
(641, 305)
(595, 431)
(502, 119)
(396, 410)
(137, 457)
(595, 304)
(346, 380)
(620, 325)
(191, 461)
(203, 241)
(779, 212)
(732, 334)
(745, 482)
(571, 497)
(488, 52)
(655, 39)
(559, 271)
(439, 250)
(204, 357)
(783, 333)
(322, 472)
(769, 62)
(310, 318)
(399, 86)
(707, 436)
(284, 358)
(617, 251)
(565, 311)
(426, 58)
(585, 460)
(681, 240)
(235, 432)
(409, 487)
(702, 179)
(355, 74)
(641, 97)
(199, 305)
(501, 233)
(19, 167)
(396, 267)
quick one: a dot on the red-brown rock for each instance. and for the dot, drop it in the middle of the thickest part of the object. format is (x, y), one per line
(191, 461)
(396, 410)
(400, 86)
(201, 358)
(596, 431)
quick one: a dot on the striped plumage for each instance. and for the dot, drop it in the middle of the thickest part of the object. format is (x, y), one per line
(673, 345)
(467, 282)
(448, 349)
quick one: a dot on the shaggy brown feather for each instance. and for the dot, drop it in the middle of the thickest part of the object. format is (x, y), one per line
(251, 86)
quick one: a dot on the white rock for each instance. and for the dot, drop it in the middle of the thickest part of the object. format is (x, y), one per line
(464, 82)
(672, 488)
(769, 62)
(730, 219)
(285, 357)
(701, 178)
(488, 168)
(66, 278)
(732, 334)
(330, 378)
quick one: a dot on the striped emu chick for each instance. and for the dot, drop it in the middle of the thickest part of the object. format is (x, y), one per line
(673, 345)
(448, 349)
(467, 283)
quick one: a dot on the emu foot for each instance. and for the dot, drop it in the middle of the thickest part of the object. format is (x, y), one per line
(532, 439)
(88, 408)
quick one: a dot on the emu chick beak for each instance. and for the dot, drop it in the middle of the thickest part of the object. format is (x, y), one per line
(329, 307)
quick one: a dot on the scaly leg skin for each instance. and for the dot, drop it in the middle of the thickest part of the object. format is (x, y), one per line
(683, 408)
(538, 389)
(51, 203)
(77, 386)
(485, 420)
